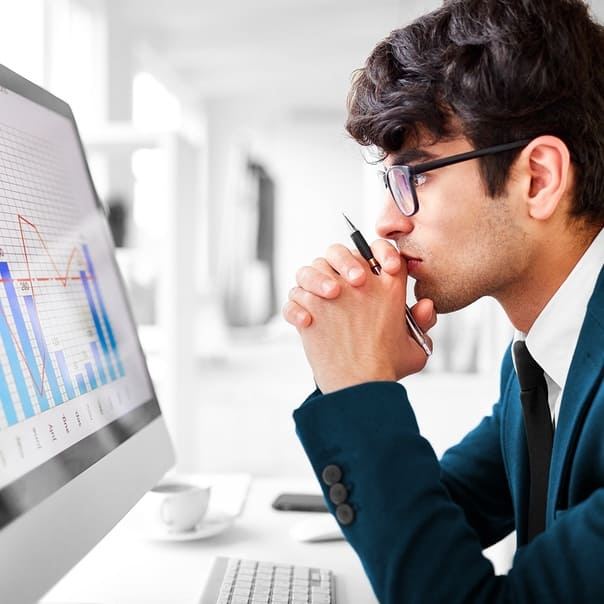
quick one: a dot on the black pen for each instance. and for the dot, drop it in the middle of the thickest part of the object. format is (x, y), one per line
(365, 251)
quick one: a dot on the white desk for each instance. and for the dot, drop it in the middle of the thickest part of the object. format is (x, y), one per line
(128, 568)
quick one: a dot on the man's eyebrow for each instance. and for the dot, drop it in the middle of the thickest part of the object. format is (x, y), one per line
(410, 156)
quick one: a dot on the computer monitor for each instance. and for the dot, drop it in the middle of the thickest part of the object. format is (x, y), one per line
(81, 433)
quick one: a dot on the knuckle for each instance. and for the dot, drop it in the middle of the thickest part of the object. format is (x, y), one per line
(338, 255)
(287, 311)
(385, 248)
(291, 314)
(302, 274)
(298, 295)
(321, 267)
(336, 249)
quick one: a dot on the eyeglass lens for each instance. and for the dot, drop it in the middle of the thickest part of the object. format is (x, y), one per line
(399, 186)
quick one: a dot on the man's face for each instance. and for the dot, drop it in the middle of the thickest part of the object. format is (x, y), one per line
(462, 244)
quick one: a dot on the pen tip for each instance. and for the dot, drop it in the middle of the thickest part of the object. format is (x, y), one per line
(352, 227)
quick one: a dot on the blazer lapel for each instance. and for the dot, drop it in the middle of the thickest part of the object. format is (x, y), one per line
(585, 374)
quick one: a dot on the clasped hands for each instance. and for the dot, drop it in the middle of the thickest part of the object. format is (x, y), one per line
(352, 322)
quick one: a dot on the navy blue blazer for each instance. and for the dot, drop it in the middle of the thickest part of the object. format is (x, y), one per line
(419, 525)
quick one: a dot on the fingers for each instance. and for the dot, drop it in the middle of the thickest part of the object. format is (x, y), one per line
(319, 279)
(325, 278)
(353, 268)
(347, 263)
(424, 314)
(387, 255)
(296, 315)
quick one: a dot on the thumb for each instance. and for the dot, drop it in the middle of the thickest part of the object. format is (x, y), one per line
(424, 313)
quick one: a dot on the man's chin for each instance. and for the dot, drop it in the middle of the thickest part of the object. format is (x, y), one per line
(443, 302)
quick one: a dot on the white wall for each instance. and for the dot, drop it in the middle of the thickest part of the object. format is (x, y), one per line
(318, 174)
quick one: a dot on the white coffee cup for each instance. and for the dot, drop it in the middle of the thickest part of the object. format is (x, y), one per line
(176, 505)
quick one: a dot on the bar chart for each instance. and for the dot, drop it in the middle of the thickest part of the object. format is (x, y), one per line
(71, 367)
(56, 336)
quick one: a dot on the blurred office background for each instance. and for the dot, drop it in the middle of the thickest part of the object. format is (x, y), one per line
(215, 136)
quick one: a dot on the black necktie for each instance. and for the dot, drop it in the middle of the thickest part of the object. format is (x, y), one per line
(539, 433)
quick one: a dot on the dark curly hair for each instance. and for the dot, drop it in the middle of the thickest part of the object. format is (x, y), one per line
(494, 71)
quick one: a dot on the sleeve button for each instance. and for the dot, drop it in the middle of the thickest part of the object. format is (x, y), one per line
(331, 474)
(344, 514)
(338, 493)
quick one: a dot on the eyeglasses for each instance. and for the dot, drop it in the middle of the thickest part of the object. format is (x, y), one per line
(402, 180)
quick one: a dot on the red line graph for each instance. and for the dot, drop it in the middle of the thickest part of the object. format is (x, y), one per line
(60, 276)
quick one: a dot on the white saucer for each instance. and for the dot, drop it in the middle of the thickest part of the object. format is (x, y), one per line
(211, 525)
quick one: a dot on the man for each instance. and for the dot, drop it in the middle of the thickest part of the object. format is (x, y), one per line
(521, 223)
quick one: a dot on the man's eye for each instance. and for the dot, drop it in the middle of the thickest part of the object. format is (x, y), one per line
(419, 179)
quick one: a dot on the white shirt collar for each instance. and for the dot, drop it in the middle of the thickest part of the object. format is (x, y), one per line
(553, 337)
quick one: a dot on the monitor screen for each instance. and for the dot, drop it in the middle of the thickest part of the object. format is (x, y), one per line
(74, 387)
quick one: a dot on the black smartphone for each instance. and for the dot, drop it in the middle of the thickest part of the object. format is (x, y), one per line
(300, 502)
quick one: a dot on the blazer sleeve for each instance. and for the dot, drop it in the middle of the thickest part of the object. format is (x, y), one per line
(414, 541)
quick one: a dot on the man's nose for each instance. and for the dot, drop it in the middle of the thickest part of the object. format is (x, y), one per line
(391, 221)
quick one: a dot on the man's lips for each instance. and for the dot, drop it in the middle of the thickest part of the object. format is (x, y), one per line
(412, 263)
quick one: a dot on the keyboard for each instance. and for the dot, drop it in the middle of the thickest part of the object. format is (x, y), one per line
(239, 581)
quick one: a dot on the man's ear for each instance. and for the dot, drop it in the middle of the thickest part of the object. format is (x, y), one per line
(547, 161)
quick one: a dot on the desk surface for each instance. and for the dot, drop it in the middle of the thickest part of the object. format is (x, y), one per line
(128, 567)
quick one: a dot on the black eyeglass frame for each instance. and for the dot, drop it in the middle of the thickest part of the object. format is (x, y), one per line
(410, 171)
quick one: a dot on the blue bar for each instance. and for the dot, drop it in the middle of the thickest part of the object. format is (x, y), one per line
(81, 383)
(103, 311)
(65, 374)
(30, 358)
(47, 368)
(7, 400)
(98, 362)
(90, 374)
(97, 324)
(15, 365)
